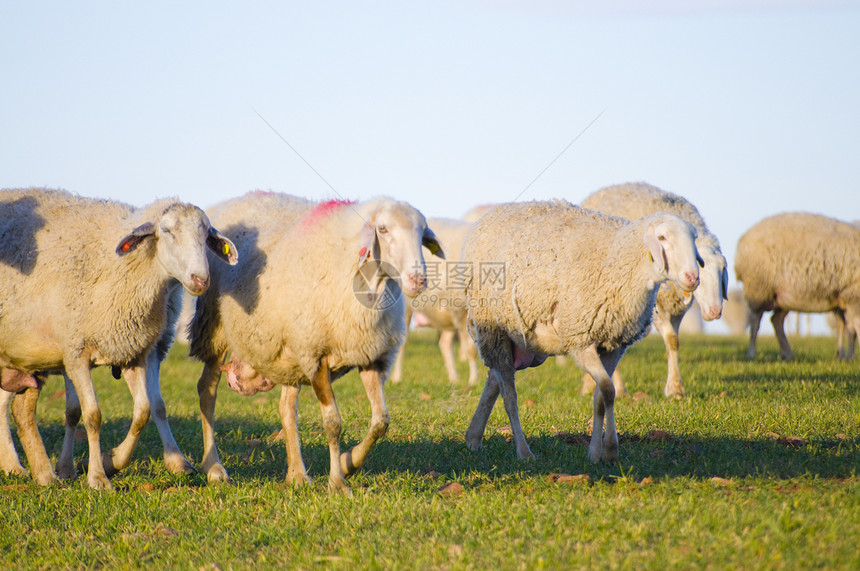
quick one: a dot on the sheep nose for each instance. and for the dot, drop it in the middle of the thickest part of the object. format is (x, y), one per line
(201, 283)
(691, 279)
(713, 312)
(416, 282)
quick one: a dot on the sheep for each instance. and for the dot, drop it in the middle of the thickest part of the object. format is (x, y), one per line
(73, 299)
(443, 303)
(552, 278)
(316, 294)
(633, 200)
(799, 261)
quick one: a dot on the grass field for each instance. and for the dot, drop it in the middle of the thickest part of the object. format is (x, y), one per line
(755, 469)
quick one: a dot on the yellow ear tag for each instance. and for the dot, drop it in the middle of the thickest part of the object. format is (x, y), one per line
(650, 257)
(226, 249)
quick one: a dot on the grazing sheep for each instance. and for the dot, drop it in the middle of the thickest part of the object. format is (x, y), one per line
(799, 261)
(73, 299)
(443, 303)
(634, 200)
(553, 278)
(315, 295)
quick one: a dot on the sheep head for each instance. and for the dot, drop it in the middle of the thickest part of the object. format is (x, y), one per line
(180, 237)
(393, 234)
(672, 252)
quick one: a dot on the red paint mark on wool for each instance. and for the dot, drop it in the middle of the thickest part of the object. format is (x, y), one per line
(323, 209)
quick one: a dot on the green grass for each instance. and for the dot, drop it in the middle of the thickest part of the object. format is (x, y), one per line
(781, 437)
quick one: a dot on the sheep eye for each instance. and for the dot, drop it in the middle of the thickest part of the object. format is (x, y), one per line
(661, 238)
(382, 229)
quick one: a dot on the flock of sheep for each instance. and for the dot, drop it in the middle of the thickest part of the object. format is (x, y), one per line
(292, 292)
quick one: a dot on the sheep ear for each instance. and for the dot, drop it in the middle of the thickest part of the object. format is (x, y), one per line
(429, 241)
(724, 284)
(656, 254)
(222, 247)
(133, 240)
(367, 242)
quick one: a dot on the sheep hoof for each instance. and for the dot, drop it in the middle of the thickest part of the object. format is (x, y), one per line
(474, 443)
(17, 471)
(99, 482)
(339, 487)
(66, 472)
(297, 479)
(526, 455)
(674, 393)
(178, 464)
(45, 479)
(216, 474)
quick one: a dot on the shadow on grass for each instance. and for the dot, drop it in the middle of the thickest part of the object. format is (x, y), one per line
(251, 452)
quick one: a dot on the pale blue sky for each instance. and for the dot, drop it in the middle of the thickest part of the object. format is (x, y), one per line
(746, 108)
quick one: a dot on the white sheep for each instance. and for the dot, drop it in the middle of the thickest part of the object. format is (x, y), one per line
(552, 278)
(443, 303)
(316, 294)
(85, 282)
(634, 200)
(799, 261)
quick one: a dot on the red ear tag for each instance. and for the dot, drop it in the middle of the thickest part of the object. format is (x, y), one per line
(126, 246)
(362, 252)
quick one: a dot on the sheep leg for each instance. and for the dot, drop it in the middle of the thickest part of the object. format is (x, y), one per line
(397, 370)
(507, 386)
(778, 321)
(207, 392)
(851, 343)
(588, 384)
(9, 461)
(78, 370)
(852, 326)
(754, 323)
(467, 345)
(604, 441)
(475, 432)
(174, 460)
(120, 457)
(24, 411)
(144, 386)
(841, 340)
(333, 424)
(446, 347)
(288, 407)
(668, 329)
(66, 461)
(374, 386)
